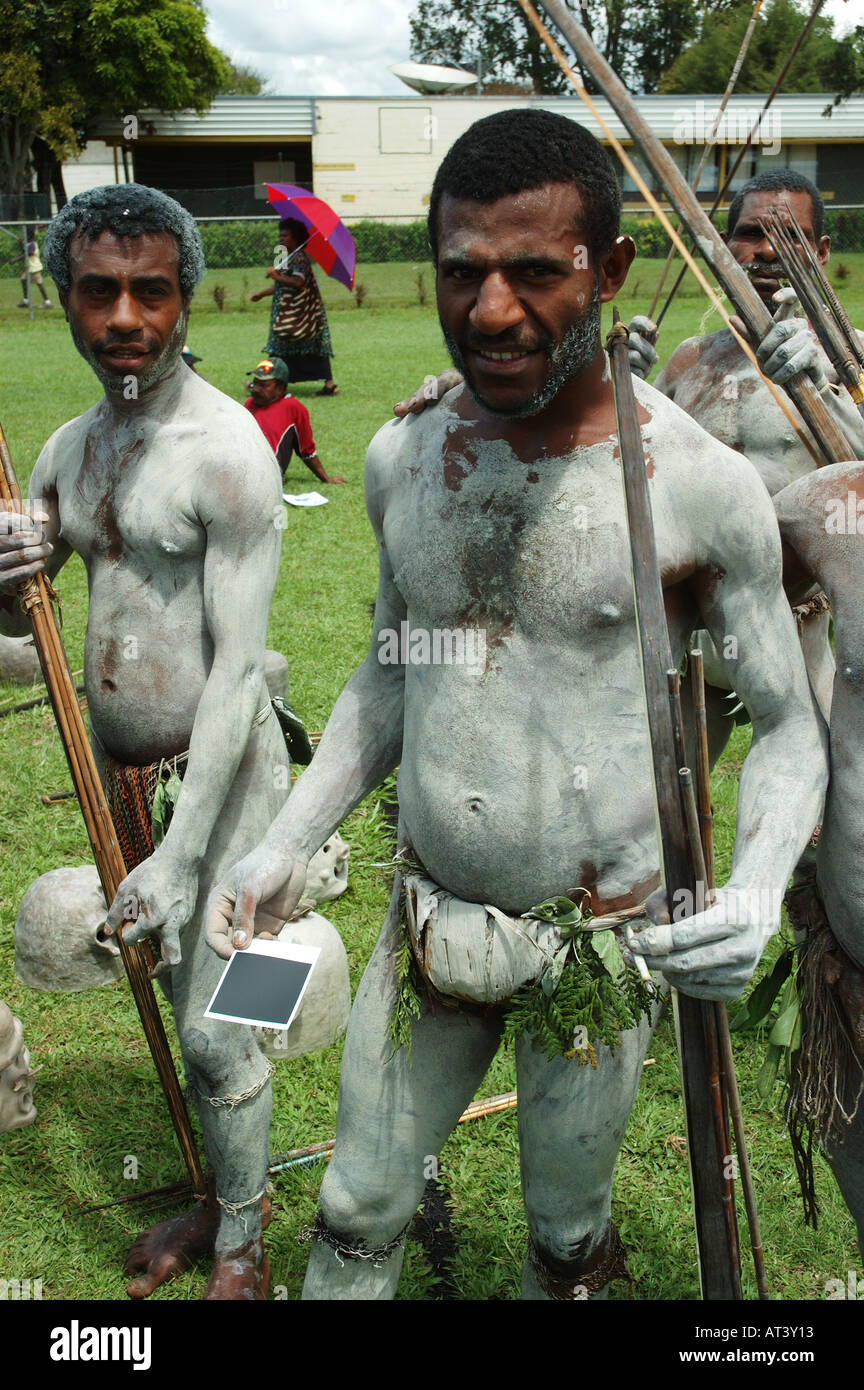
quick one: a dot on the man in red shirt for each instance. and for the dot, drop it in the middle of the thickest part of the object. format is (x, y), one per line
(284, 420)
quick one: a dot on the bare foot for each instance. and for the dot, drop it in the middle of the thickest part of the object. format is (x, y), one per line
(173, 1246)
(240, 1274)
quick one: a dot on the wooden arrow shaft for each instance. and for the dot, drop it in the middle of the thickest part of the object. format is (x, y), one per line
(35, 598)
(707, 1140)
(748, 305)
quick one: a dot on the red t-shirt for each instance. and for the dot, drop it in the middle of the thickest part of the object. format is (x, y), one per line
(287, 428)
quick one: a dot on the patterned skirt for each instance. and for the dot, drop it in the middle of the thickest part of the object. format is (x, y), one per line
(130, 792)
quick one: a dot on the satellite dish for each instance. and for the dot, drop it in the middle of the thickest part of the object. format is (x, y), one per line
(430, 78)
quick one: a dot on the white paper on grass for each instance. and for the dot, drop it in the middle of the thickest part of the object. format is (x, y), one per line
(287, 951)
(305, 499)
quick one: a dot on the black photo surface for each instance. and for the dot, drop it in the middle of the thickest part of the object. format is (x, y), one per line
(262, 988)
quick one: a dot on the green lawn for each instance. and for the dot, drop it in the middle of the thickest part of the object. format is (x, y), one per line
(96, 1093)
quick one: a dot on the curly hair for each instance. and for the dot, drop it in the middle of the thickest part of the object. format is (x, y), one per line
(127, 210)
(521, 149)
(779, 181)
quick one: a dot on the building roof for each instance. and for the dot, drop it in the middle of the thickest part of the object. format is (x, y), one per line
(797, 116)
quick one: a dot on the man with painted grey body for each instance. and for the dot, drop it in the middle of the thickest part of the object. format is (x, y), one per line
(529, 776)
(716, 384)
(169, 492)
(821, 524)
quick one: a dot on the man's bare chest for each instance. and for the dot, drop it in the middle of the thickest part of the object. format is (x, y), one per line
(126, 500)
(543, 548)
(723, 394)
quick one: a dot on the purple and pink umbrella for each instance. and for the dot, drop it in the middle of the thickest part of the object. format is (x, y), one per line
(330, 243)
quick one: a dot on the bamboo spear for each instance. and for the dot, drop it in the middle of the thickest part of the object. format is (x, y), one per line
(709, 145)
(707, 1143)
(805, 274)
(830, 439)
(754, 130)
(706, 835)
(35, 597)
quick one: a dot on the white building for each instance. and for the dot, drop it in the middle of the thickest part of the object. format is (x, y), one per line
(376, 157)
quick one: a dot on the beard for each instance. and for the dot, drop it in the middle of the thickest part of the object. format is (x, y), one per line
(566, 360)
(116, 382)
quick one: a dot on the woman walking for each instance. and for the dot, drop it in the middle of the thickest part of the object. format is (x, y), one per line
(298, 324)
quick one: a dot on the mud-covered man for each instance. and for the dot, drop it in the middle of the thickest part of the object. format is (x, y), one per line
(713, 380)
(525, 774)
(822, 524)
(169, 492)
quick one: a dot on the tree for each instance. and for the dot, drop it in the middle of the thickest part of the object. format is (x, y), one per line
(68, 65)
(705, 65)
(640, 41)
(843, 71)
(241, 82)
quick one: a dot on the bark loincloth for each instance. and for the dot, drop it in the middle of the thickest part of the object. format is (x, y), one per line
(129, 791)
(827, 1069)
(564, 978)
(473, 952)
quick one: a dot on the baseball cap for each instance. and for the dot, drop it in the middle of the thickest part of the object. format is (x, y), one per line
(188, 355)
(271, 369)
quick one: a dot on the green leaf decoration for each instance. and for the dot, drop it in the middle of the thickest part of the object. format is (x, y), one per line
(787, 1025)
(406, 1006)
(757, 1005)
(158, 814)
(767, 1078)
(608, 950)
(588, 1007)
(164, 801)
(551, 976)
(562, 911)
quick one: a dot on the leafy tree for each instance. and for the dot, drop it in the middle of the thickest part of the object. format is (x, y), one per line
(241, 82)
(843, 71)
(705, 65)
(639, 40)
(67, 65)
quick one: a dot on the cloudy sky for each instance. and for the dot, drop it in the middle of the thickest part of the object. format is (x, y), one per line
(343, 47)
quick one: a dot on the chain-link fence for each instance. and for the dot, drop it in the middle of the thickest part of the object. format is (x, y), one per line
(12, 248)
(249, 242)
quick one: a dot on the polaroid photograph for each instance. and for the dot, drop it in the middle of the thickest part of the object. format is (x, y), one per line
(264, 985)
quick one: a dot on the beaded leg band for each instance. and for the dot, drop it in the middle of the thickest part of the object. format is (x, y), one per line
(609, 1263)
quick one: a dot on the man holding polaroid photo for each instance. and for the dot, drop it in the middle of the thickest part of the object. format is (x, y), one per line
(517, 718)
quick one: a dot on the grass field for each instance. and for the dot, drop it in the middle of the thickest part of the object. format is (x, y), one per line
(96, 1094)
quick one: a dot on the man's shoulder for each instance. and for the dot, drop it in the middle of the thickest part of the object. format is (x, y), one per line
(691, 452)
(668, 416)
(231, 447)
(694, 351)
(227, 420)
(67, 441)
(806, 501)
(293, 406)
(397, 445)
